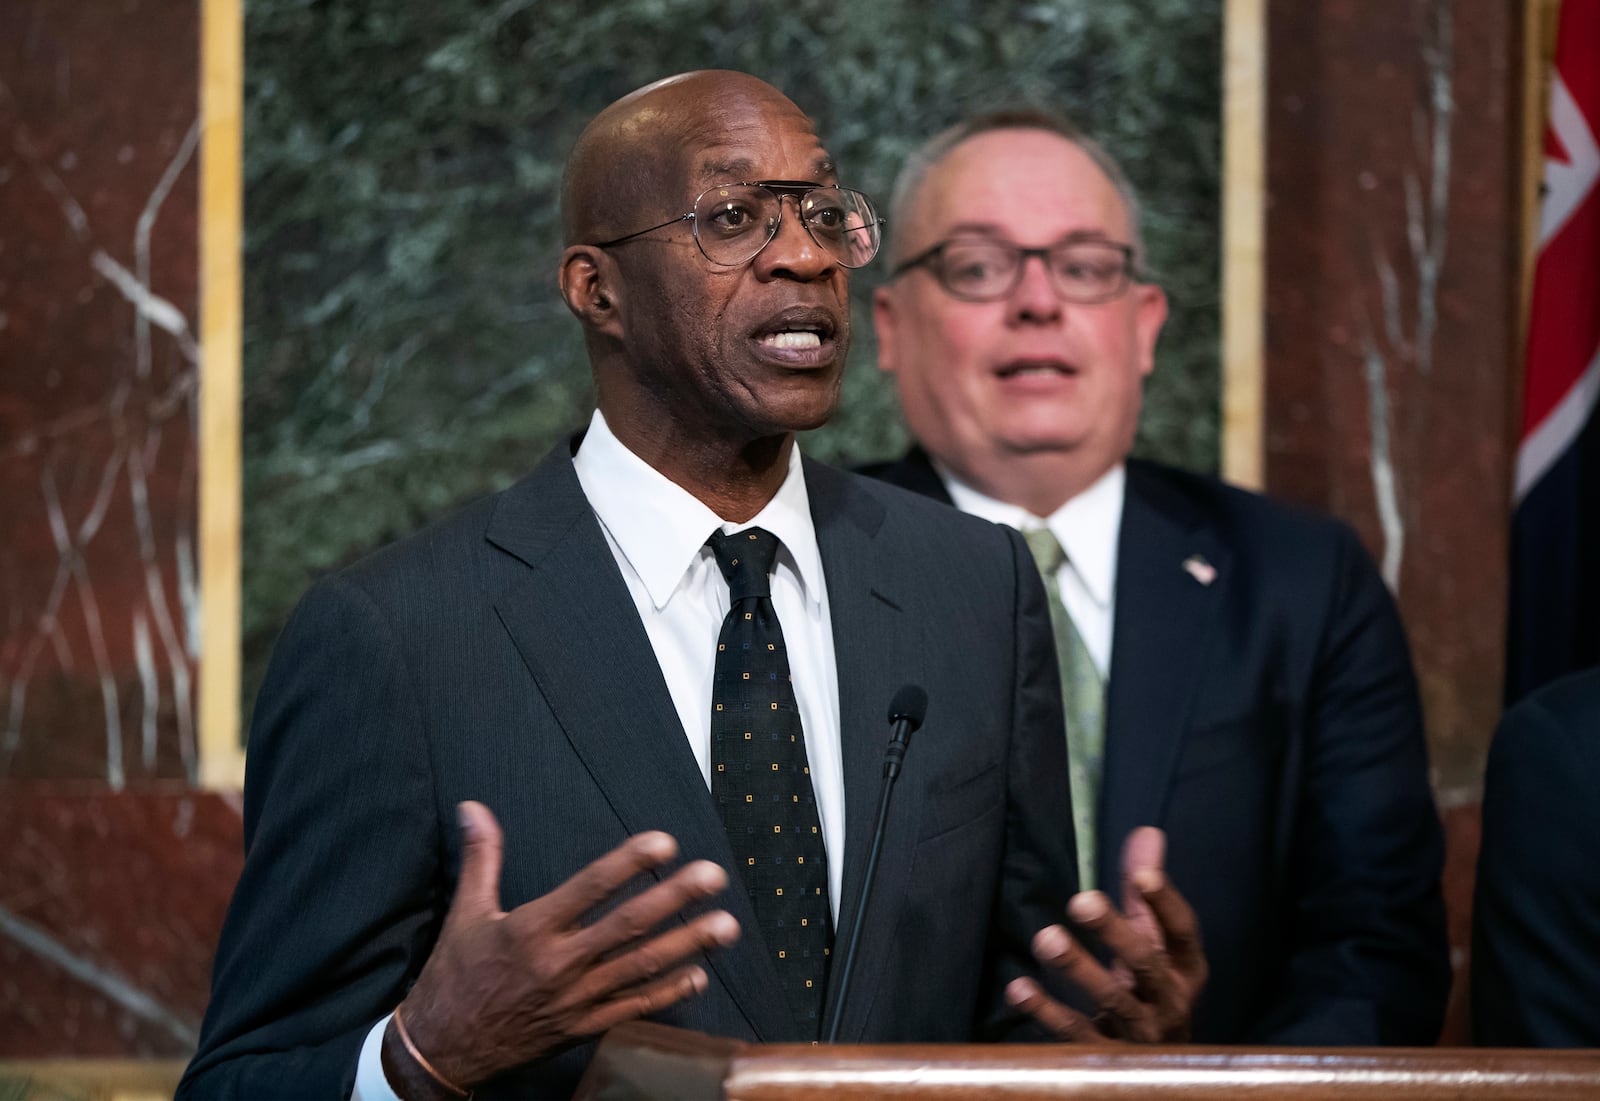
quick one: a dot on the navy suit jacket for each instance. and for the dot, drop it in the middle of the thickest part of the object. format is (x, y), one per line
(498, 656)
(1269, 722)
(1536, 918)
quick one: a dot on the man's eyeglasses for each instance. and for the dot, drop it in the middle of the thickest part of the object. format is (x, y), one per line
(978, 269)
(734, 221)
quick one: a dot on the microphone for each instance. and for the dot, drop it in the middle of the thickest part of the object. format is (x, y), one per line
(906, 711)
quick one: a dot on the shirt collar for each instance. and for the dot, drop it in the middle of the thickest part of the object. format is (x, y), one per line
(660, 527)
(1088, 526)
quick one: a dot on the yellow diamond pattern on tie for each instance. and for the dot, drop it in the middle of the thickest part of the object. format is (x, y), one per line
(1083, 695)
(761, 778)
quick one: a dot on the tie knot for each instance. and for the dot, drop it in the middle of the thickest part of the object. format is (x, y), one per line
(746, 558)
(1047, 551)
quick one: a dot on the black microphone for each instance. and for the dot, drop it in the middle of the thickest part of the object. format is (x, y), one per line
(906, 712)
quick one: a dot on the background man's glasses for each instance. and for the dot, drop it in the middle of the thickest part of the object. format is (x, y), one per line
(984, 270)
(734, 221)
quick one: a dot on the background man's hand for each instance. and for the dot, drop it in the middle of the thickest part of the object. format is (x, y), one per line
(1158, 969)
(501, 989)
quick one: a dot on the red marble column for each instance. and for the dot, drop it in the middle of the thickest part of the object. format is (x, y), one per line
(97, 447)
(1393, 240)
(109, 914)
(113, 875)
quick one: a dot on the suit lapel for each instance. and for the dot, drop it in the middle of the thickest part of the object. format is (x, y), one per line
(1163, 617)
(597, 671)
(875, 654)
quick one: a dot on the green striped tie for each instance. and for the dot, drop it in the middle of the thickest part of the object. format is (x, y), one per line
(1083, 696)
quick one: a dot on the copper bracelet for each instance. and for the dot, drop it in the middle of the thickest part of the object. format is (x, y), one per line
(405, 1038)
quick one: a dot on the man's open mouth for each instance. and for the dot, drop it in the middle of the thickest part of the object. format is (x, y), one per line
(798, 327)
(1023, 368)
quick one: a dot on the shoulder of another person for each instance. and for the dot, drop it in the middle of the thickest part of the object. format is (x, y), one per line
(1570, 705)
(913, 470)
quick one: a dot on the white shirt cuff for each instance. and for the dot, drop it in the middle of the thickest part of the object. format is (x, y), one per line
(371, 1084)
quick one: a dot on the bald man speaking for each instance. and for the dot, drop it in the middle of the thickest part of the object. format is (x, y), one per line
(608, 744)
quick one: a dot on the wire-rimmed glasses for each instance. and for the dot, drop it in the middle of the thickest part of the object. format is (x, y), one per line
(735, 221)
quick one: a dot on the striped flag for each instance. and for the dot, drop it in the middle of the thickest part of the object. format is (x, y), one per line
(1555, 534)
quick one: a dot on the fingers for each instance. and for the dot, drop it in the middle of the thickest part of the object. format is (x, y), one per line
(643, 963)
(636, 917)
(1159, 975)
(616, 953)
(1144, 851)
(653, 998)
(511, 987)
(598, 881)
(1060, 1021)
(1056, 949)
(1180, 928)
(1145, 847)
(1144, 956)
(478, 888)
(615, 974)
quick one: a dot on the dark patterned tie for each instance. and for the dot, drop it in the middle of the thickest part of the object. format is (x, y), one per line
(761, 779)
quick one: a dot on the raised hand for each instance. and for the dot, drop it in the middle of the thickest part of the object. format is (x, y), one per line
(501, 989)
(1158, 969)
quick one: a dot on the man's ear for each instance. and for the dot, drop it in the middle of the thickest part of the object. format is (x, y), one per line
(884, 323)
(589, 286)
(1150, 316)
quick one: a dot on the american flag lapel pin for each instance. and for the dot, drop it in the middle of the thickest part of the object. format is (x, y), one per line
(1198, 568)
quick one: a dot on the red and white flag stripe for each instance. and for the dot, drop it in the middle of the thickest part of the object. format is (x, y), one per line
(1561, 387)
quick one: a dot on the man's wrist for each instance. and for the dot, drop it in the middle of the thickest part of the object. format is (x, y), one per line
(408, 1071)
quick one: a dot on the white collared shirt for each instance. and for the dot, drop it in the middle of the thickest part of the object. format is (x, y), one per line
(1087, 527)
(657, 532)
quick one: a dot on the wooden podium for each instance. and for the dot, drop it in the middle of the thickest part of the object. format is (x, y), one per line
(648, 1062)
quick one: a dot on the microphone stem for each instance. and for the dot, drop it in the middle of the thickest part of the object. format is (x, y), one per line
(891, 771)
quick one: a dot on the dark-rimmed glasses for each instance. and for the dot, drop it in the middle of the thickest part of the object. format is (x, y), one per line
(981, 269)
(735, 221)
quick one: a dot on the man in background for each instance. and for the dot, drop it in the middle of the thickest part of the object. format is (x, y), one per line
(1234, 671)
(1536, 912)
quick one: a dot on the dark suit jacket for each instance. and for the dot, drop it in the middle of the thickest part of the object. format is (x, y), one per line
(498, 656)
(1536, 918)
(1269, 722)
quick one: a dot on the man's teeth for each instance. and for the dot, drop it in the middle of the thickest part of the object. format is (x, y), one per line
(1038, 369)
(792, 340)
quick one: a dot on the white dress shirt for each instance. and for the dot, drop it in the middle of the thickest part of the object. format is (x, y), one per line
(1087, 527)
(657, 532)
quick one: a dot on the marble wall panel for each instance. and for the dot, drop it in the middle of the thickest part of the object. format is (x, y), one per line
(114, 874)
(1393, 223)
(1393, 236)
(110, 906)
(98, 374)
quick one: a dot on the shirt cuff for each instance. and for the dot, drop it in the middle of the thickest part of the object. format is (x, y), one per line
(371, 1083)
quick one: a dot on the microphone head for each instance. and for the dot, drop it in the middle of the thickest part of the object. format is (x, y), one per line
(910, 705)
